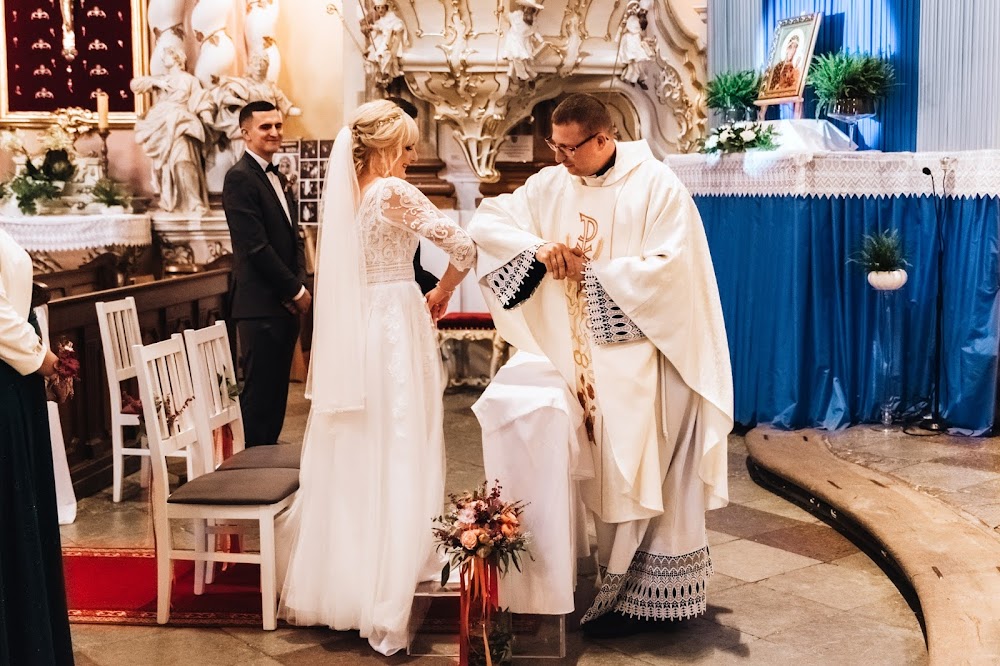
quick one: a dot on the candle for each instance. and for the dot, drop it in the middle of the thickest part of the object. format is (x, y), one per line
(102, 111)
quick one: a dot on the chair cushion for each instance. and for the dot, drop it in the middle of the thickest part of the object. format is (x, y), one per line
(238, 487)
(285, 456)
(466, 320)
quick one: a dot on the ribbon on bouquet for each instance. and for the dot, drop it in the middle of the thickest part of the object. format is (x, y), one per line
(478, 582)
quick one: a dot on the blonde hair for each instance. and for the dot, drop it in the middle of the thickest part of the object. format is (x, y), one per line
(380, 131)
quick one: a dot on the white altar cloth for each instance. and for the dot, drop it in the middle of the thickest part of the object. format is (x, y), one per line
(61, 233)
(535, 445)
(839, 174)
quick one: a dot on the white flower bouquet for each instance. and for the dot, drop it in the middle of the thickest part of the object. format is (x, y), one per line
(739, 137)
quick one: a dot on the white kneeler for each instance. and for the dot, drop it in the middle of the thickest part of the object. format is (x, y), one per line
(535, 444)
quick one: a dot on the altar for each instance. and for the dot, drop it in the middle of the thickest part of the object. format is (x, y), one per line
(63, 242)
(802, 320)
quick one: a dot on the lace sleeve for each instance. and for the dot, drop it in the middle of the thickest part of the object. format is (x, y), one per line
(403, 205)
(608, 323)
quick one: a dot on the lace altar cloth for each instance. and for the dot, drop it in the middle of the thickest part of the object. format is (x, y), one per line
(840, 174)
(62, 233)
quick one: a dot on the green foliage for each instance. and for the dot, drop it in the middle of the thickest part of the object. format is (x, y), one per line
(110, 193)
(881, 251)
(29, 190)
(732, 90)
(843, 75)
(500, 637)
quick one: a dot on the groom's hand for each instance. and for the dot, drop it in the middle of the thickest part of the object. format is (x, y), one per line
(437, 302)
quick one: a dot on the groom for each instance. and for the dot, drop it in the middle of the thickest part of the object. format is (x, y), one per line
(267, 294)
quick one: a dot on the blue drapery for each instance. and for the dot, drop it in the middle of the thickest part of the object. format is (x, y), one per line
(803, 322)
(888, 27)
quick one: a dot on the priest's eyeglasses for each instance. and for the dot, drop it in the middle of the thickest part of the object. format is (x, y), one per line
(568, 151)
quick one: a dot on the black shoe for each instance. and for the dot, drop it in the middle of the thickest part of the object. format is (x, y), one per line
(616, 625)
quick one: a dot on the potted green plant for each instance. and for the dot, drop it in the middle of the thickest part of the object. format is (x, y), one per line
(732, 94)
(847, 85)
(29, 191)
(112, 196)
(881, 254)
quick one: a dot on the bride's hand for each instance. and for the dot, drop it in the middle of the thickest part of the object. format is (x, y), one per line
(437, 302)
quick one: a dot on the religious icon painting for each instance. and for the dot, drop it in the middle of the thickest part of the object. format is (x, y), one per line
(788, 62)
(57, 54)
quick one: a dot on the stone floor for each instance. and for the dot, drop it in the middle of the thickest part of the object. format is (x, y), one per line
(787, 589)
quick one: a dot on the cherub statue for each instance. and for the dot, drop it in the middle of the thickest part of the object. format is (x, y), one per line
(633, 49)
(522, 43)
(231, 95)
(386, 34)
(173, 133)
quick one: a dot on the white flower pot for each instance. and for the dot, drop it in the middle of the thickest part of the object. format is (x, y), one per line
(887, 280)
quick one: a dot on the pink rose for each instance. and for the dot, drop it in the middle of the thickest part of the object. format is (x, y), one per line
(470, 539)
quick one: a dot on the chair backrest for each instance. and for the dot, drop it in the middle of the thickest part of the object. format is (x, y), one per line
(118, 322)
(167, 407)
(214, 378)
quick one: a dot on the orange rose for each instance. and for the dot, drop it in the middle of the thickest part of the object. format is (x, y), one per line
(470, 539)
(508, 530)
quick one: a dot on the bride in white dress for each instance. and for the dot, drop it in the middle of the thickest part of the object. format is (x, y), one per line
(372, 475)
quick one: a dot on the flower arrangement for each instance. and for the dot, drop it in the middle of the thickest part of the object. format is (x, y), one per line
(739, 137)
(732, 92)
(839, 76)
(109, 193)
(59, 387)
(482, 536)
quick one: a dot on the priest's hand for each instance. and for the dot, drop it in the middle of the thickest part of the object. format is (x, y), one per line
(560, 260)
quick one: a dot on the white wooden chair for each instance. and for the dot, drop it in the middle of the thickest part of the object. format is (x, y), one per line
(168, 405)
(213, 373)
(118, 322)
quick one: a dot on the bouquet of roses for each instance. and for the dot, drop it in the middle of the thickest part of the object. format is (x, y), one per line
(59, 386)
(739, 137)
(481, 525)
(482, 535)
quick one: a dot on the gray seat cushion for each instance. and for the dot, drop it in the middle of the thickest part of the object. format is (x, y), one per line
(238, 487)
(286, 456)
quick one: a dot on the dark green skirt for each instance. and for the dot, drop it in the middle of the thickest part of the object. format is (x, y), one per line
(34, 623)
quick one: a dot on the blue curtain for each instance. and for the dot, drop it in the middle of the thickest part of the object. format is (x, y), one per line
(887, 27)
(804, 326)
(735, 35)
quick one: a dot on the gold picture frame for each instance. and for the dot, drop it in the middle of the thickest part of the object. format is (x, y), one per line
(58, 37)
(784, 78)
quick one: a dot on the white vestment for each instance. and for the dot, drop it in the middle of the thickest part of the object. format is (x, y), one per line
(642, 344)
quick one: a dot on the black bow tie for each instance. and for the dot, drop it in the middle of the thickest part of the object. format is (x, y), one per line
(271, 169)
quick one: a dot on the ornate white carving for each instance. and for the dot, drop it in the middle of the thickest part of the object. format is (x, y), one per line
(483, 77)
(216, 53)
(259, 31)
(166, 21)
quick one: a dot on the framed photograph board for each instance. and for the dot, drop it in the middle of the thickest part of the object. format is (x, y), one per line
(40, 73)
(788, 61)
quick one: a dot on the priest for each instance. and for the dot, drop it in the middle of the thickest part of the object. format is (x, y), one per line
(601, 265)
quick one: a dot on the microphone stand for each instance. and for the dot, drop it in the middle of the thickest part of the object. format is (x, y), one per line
(934, 421)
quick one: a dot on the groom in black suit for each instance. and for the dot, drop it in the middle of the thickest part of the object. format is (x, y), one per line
(267, 294)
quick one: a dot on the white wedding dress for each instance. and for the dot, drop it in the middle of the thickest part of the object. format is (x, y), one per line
(373, 480)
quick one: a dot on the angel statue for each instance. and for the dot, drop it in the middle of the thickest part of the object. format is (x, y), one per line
(173, 133)
(522, 43)
(633, 49)
(386, 34)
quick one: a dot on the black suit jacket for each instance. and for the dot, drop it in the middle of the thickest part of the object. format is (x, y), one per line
(424, 278)
(268, 253)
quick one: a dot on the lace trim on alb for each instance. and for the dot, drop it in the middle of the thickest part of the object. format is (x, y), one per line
(656, 587)
(508, 281)
(609, 324)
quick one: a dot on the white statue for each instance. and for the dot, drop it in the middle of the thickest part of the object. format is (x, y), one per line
(572, 52)
(230, 96)
(173, 134)
(633, 50)
(386, 34)
(522, 43)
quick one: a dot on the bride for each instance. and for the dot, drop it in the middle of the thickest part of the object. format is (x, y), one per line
(372, 474)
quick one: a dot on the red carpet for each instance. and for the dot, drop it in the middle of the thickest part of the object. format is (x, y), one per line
(118, 586)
